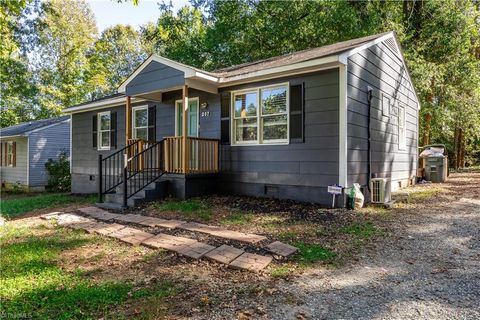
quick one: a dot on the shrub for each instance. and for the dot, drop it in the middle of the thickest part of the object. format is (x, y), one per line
(59, 173)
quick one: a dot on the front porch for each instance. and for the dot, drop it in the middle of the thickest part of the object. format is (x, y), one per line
(181, 166)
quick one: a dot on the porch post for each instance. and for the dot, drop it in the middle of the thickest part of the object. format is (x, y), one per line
(184, 129)
(128, 123)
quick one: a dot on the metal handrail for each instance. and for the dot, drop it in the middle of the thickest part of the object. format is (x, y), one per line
(110, 170)
(142, 169)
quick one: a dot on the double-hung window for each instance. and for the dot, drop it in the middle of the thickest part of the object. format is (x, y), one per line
(104, 126)
(10, 155)
(140, 122)
(260, 116)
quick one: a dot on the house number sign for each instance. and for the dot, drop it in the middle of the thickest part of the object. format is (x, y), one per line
(204, 113)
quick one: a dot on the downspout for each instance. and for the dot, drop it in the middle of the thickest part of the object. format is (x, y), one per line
(369, 144)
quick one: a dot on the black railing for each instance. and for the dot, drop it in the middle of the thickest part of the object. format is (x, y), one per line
(110, 169)
(142, 169)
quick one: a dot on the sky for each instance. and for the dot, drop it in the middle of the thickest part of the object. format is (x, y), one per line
(110, 12)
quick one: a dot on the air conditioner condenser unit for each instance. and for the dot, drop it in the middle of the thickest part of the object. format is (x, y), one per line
(380, 190)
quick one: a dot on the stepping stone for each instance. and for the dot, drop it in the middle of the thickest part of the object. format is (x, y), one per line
(131, 218)
(168, 242)
(251, 262)
(50, 216)
(196, 250)
(131, 235)
(171, 224)
(67, 219)
(224, 254)
(83, 225)
(281, 249)
(152, 222)
(222, 233)
(109, 228)
(98, 213)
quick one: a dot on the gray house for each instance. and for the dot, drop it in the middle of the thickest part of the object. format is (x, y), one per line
(286, 127)
(26, 147)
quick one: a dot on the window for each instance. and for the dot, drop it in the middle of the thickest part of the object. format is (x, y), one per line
(104, 125)
(385, 105)
(140, 122)
(260, 116)
(402, 130)
(10, 154)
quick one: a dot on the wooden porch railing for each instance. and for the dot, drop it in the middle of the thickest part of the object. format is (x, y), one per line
(201, 155)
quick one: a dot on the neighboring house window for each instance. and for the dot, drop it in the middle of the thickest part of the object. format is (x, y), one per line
(8, 154)
(260, 116)
(104, 125)
(402, 128)
(140, 122)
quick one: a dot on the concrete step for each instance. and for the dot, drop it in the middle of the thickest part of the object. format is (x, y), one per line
(154, 191)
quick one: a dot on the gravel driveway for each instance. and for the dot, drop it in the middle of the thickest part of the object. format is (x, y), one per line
(428, 267)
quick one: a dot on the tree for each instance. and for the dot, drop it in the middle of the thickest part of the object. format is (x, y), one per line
(17, 88)
(115, 55)
(65, 31)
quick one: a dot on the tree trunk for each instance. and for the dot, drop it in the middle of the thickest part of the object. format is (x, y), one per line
(426, 131)
(462, 150)
(456, 150)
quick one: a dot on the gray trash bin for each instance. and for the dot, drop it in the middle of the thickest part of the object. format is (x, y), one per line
(436, 168)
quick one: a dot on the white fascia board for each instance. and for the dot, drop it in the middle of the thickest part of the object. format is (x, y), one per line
(344, 56)
(282, 69)
(100, 105)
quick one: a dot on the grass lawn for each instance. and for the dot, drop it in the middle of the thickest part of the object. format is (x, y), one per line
(38, 280)
(12, 207)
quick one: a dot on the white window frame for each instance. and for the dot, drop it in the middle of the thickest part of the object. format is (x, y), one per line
(260, 141)
(386, 109)
(100, 131)
(402, 127)
(134, 128)
(9, 153)
(177, 115)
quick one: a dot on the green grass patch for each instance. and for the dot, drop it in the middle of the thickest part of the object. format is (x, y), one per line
(280, 272)
(309, 253)
(15, 207)
(192, 208)
(238, 218)
(362, 229)
(34, 285)
(420, 195)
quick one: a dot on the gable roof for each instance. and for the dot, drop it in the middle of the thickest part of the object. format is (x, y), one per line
(23, 129)
(295, 57)
(297, 62)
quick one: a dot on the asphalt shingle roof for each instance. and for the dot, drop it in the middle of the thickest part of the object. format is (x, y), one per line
(25, 127)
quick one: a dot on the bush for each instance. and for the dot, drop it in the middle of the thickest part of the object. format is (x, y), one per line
(59, 178)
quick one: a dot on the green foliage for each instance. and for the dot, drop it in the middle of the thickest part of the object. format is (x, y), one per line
(14, 207)
(59, 178)
(363, 230)
(309, 252)
(237, 218)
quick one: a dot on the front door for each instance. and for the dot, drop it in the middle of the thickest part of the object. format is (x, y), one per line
(192, 118)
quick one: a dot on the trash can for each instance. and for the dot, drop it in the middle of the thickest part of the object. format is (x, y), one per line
(436, 168)
(434, 162)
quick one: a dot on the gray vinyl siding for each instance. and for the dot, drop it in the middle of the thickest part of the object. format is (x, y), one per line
(85, 157)
(379, 68)
(17, 174)
(155, 76)
(46, 144)
(312, 164)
